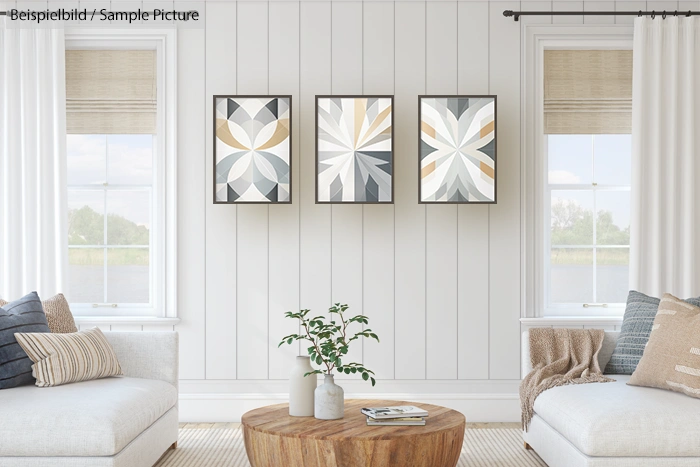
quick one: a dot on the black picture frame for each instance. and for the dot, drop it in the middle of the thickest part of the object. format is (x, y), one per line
(316, 172)
(495, 139)
(215, 98)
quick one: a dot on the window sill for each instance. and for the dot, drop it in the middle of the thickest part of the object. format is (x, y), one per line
(137, 320)
(572, 321)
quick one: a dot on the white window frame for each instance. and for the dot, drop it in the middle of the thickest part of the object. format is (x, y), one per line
(534, 187)
(163, 247)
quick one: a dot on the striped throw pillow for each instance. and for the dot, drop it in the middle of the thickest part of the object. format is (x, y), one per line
(671, 359)
(23, 315)
(68, 358)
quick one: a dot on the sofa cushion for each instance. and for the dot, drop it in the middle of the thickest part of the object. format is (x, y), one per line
(614, 419)
(672, 356)
(91, 418)
(69, 357)
(23, 315)
(634, 335)
(58, 314)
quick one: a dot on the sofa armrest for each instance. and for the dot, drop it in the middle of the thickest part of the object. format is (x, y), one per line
(150, 355)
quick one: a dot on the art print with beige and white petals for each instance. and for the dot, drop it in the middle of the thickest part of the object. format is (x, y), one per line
(354, 149)
(457, 149)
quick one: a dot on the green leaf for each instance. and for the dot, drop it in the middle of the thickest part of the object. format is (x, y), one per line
(365, 376)
(347, 370)
(290, 340)
(354, 370)
(337, 361)
(319, 360)
(373, 381)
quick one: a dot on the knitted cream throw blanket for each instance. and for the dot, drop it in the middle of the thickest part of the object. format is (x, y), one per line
(560, 357)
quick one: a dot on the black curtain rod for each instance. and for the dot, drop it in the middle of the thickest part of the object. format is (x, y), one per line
(517, 14)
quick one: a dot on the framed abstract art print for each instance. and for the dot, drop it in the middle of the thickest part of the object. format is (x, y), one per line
(457, 149)
(354, 149)
(252, 149)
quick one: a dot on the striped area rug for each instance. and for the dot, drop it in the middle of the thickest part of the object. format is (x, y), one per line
(223, 446)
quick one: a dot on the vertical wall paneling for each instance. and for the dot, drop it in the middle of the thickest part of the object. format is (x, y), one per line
(441, 284)
(473, 220)
(346, 220)
(504, 220)
(283, 260)
(193, 200)
(441, 220)
(252, 224)
(598, 6)
(315, 219)
(409, 81)
(378, 220)
(567, 6)
(220, 283)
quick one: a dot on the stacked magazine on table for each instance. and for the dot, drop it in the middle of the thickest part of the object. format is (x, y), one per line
(402, 415)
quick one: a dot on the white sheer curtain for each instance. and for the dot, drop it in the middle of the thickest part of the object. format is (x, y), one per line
(665, 222)
(33, 204)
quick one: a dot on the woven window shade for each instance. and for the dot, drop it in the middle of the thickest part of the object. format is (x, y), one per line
(587, 91)
(111, 91)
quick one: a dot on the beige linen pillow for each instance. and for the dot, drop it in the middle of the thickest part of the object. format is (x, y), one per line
(68, 358)
(671, 359)
(57, 313)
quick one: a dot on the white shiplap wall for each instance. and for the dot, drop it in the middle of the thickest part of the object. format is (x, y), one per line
(441, 284)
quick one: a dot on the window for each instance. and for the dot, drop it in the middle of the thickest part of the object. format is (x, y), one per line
(110, 219)
(588, 206)
(576, 164)
(120, 173)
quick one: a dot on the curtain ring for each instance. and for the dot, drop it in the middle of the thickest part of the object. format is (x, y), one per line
(653, 14)
(675, 13)
(640, 14)
(663, 16)
(688, 15)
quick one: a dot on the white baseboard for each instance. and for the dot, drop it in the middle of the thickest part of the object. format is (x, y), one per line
(229, 407)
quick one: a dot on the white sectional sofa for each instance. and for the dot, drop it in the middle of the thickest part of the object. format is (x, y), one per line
(613, 424)
(125, 421)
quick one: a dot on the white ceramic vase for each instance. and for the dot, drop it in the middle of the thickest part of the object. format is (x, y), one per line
(301, 389)
(329, 401)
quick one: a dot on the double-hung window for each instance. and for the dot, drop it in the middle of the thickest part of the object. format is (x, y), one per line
(117, 177)
(587, 155)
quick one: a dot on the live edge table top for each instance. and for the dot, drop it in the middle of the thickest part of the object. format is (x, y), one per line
(275, 419)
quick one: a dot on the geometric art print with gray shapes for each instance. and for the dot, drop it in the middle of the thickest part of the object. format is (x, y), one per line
(457, 149)
(252, 149)
(354, 149)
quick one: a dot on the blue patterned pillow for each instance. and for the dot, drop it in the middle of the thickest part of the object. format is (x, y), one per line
(636, 326)
(23, 315)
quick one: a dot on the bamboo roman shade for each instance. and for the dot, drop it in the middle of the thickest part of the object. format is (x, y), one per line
(111, 91)
(587, 91)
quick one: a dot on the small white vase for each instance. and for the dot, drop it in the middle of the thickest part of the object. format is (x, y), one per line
(329, 401)
(301, 389)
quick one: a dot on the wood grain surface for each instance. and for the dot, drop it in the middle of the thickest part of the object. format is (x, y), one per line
(273, 438)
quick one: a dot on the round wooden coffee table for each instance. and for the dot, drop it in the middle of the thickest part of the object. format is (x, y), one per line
(273, 438)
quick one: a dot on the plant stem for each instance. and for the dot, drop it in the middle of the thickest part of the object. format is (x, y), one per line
(318, 351)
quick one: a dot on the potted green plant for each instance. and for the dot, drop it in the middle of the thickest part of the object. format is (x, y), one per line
(330, 339)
